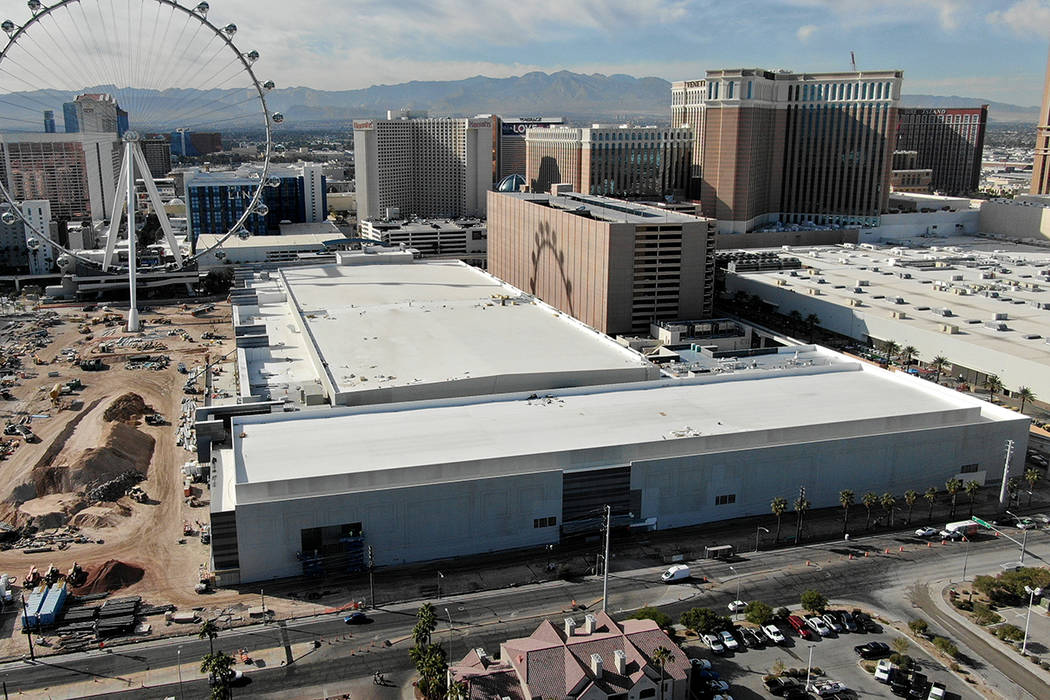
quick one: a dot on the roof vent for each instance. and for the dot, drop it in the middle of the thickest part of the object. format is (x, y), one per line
(590, 622)
(570, 626)
(620, 662)
(596, 665)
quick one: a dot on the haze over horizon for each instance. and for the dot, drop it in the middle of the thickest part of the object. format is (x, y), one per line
(969, 48)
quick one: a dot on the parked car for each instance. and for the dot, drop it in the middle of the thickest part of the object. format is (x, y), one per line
(718, 686)
(773, 634)
(800, 627)
(847, 620)
(899, 685)
(737, 606)
(864, 621)
(729, 641)
(936, 692)
(872, 650)
(701, 664)
(1026, 524)
(714, 643)
(818, 625)
(953, 535)
(926, 532)
(828, 687)
(832, 622)
(752, 638)
(884, 670)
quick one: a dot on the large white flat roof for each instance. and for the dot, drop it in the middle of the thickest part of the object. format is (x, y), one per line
(841, 398)
(383, 326)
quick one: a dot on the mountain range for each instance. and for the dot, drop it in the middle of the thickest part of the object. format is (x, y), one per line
(576, 96)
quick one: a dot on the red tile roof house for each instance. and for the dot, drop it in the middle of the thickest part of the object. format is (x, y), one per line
(600, 660)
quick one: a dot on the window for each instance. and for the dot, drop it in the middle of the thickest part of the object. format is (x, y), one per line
(647, 693)
(969, 468)
(545, 522)
(725, 500)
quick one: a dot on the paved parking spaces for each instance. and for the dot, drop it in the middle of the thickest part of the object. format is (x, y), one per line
(744, 669)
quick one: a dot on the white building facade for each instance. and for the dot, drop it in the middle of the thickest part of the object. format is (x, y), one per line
(425, 167)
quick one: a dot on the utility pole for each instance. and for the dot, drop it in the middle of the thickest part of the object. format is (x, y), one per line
(1003, 490)
(371, 583)
(605, 565)
(29, 631)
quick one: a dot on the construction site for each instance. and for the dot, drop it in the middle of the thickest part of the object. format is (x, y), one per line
(103, 510)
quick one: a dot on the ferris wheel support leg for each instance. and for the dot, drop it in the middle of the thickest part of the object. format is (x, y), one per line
(158, 205)
(133, 309)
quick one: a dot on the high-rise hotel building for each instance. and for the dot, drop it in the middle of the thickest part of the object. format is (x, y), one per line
(1041, 167)
(792, 147)
(948, 141)
(613, 161)
(426, 167)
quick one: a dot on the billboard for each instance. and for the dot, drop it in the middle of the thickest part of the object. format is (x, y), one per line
(517, 126)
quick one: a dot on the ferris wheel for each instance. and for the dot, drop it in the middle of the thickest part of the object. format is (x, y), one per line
(89, 89)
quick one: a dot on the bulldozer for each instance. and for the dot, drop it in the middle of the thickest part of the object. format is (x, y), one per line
(52, 574)
(32, 579)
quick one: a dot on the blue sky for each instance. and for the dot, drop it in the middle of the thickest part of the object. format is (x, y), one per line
(995, 49)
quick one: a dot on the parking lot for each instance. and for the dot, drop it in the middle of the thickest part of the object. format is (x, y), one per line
(744, 668)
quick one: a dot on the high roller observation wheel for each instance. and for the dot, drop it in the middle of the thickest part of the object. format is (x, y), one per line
(76, 46)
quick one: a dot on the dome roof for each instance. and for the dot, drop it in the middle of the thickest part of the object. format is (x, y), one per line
(511, 183)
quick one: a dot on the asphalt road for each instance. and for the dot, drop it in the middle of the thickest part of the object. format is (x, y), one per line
(485, 619)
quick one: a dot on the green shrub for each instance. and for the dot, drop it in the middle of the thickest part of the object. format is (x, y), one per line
(918, 627)
(703, 620)
(782, 613)
(758, 613)
(1009, 633)
(946, 646)
(983, 615)
(814, 601)
(655, 614)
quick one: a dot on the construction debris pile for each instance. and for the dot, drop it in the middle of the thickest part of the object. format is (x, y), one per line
(186, 435)
(110, 576)
(31, 541)
(113, 489)
(127, 408)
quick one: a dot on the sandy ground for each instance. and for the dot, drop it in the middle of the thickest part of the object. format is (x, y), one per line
(150, 536)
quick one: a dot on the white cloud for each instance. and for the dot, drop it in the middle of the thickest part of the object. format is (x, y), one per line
(806, 32)
(863, 13)
(1025, 18)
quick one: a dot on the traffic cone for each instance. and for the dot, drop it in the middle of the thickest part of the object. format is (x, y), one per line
(865, 554)
(902, 548)
(887, 551)
(929, 544)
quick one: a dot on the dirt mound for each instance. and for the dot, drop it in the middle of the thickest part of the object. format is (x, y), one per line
(50, 511)
(100, 516)
(123, 449)
(126, 408)
(111, 576)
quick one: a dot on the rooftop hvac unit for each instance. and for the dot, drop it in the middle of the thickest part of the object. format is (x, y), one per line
(988, 275)
(856, 302)
(991, 293)
(957, 278)
(862, 283)
(960, 291)
(949, 329)
(898, 300)
(813, 292)
(1001, 317)
(995, 325)
(899, 314)
(782, 283)
(858, 290)
(944, 311)
(905, 275)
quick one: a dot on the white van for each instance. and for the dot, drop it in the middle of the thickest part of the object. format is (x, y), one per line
(678, 572)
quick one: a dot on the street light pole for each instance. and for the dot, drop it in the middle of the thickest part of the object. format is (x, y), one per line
(371, 582)
(758, 530)
(737, 576)
(605, 561)
(449, 636)
(966, 557)
(809, 666)
(178, 654)
(1032, 593)
(29, 631)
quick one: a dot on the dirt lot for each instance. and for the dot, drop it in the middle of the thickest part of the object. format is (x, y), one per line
(148, 535)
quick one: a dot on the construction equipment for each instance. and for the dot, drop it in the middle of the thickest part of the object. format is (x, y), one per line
(136, 494)
(51, 575)
(32, 579)
(84, 329)
(206, 534)
(155, 419)
(92, 365)
(201, 310)
(38, 361)
(76, 575)
(187, 529)
(205, 580)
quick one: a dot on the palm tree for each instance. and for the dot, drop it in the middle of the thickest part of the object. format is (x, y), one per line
(907, 353)
(1032, 476)
(661, 657)
(457, 691)
(846, 499)
(910, 496)
(1026, 395)
(801, 506)
(890, 348)
(931, 497)
(779, 506)
(209, 630)
(888, 500)
(953, 486)
(869, 499)
(994, 385)
(939, 363)
(1013, 485)
(812, 321)
(971, 488)
(219, 668)
(426, 623)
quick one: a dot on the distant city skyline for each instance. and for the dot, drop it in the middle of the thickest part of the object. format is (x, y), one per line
(968, 48)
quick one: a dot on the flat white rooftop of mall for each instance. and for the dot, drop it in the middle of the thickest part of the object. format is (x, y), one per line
(842, 398)
(385, 326)
(973, 278)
